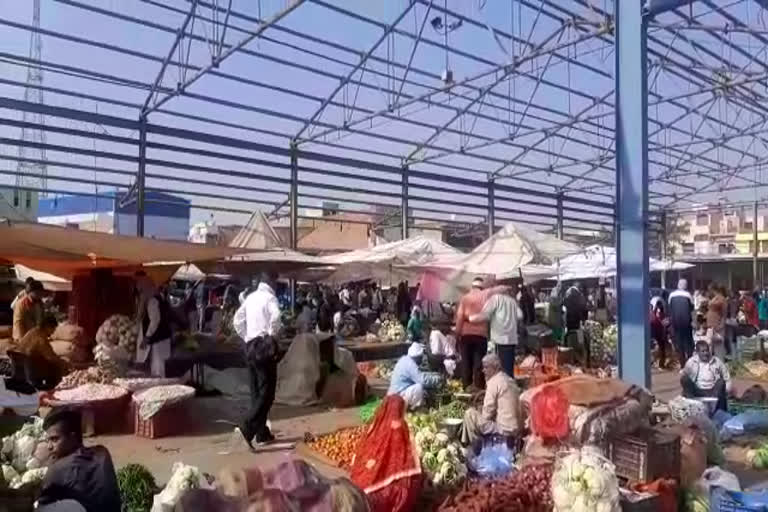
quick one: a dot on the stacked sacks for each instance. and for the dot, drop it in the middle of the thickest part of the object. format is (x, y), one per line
(70, 343)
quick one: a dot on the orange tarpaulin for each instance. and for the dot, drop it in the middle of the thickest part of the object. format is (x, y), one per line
(66, 251)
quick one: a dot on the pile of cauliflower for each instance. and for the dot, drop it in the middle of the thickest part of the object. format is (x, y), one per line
(119, 330)
(440, 459)
(585, 481)
(183, 479)
(25, 455)
(391, 331)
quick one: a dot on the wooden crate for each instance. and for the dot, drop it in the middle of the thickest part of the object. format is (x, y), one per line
(645, 455)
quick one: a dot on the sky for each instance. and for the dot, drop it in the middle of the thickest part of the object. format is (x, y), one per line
(243, 180)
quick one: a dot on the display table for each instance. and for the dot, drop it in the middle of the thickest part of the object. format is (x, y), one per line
(223, 357)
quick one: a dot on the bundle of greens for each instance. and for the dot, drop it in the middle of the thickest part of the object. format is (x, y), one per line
(137, 488)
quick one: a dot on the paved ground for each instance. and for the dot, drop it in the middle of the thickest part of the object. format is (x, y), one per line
(209, 443)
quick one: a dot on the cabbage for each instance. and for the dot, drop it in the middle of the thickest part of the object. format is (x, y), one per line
(24, 447)
(33, 475)
(32, 463)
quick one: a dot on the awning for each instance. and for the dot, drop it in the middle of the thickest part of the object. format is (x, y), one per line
(67, 251)
(50, 282)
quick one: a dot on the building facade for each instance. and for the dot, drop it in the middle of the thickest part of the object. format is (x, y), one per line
(165, 216)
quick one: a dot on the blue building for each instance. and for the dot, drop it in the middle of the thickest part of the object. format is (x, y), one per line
(165, 216)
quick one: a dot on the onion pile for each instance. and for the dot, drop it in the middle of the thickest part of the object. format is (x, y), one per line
(92, 375)
(525, 491)
(89, 392)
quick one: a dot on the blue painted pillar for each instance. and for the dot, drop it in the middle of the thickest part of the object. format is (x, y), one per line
(632, 192)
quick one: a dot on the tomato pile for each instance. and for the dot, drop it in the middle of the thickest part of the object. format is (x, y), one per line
(339, 446)
(528, 490)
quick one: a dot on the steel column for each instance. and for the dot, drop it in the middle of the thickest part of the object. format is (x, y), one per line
(141, 176)
(559, 228)
(632, 192)
(294, 215)
(404, 202)
(755, 247)
(663, 248)
(491, 206)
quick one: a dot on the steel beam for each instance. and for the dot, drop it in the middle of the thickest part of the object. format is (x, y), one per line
(294, 213)
(656, 7)
(141, 177)
(346, 79)
(179, 37)
(292, 5)
(632, 192)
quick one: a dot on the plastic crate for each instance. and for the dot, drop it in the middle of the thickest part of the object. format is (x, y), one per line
(165, 423)
(645, 455)
(722, 500)
(736, 407)
(747, 347)
(649, 504)
(555, 357)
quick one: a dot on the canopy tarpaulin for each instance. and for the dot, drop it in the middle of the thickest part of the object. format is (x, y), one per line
(67, 251)
(49, 281)
(597, 261)
(391, 262)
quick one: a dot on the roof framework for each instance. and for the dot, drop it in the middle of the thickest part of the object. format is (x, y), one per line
(237, 104)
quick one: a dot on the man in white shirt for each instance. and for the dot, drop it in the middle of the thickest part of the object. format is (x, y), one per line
(442, 349)
(502, 313)
(257, 322)
(705, 375)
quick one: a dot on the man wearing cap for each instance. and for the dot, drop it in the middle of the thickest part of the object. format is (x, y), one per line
(473, 337)
(408, 381)
(681, 306)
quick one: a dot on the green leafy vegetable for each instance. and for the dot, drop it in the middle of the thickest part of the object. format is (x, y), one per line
(137, 488)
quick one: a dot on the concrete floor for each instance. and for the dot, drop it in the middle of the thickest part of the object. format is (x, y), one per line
(210, 445)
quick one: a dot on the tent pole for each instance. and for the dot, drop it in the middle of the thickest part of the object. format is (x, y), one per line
(632, 192)
(755, 248)
(559, 223)
(664, 249)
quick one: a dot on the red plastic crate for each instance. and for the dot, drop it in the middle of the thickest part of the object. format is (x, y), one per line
(166, 423)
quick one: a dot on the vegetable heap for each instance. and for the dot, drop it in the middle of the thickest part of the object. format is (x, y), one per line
(92, 374)
(523, 491)
(758, 458)
(339, 446)
(441, 460)
(137, 487)
(391, 331)
(90, 392)
(25, 456)
(585, 481)
(603, 342)
(183, 479)
(119, 330)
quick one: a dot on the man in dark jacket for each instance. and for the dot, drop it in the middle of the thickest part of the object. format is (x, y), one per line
(680, 316)
(81, 474)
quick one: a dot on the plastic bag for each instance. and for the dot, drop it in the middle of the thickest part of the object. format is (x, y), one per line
(549, 413)
(720, 418)
(723, 499)
(751, 421)
(717, 477)
(495, 459)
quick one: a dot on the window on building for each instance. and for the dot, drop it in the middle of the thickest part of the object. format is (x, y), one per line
(16, 200)
(746, 227)
(28, 202)
(700, 238)
(763, 246)
(731, 226)
(702, 220)
(723, 249)
(688, 248)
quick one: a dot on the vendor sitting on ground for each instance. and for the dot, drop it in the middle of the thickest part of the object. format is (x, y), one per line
(501, 406)
(705, 375)
(408, 381)
(83, 475)
(45, 368)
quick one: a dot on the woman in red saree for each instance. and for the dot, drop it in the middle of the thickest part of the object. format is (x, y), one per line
(386, 466)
